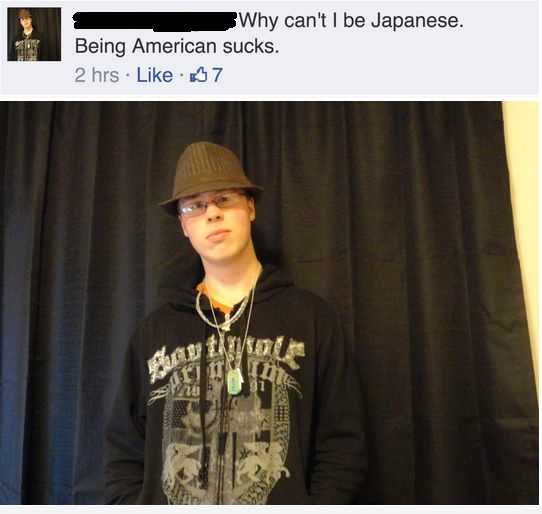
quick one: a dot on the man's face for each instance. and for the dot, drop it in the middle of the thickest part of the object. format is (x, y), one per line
(26, 23)
(219, 234)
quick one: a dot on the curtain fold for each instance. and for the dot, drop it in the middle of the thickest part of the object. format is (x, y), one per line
(397, 213)
(25, 166)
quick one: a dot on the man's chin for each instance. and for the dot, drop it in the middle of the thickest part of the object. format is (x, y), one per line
(223, 253)
(219, 256)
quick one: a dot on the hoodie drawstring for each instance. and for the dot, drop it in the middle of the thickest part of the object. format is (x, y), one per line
(204, 462)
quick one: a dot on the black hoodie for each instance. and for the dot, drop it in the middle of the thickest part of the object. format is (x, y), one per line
(293, 435)
(29, 48)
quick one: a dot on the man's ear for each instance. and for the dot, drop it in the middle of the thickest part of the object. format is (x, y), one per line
(181, 222)
(252, 208)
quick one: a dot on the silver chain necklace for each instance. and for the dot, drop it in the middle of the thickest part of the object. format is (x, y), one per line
(226, 325)
(234, 377)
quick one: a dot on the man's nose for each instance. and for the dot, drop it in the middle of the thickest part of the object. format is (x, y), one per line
(213, 212)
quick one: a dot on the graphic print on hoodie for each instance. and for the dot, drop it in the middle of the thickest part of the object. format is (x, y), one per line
(248, 434)
(292, 436)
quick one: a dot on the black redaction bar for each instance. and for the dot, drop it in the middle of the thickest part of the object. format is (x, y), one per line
(157, 21)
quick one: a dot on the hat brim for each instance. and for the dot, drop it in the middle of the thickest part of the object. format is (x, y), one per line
(170, 206)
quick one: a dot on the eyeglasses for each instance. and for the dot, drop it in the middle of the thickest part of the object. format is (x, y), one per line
(199, 207)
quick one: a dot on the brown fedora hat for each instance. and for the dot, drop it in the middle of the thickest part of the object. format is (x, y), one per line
(204, 167)
(25, 13)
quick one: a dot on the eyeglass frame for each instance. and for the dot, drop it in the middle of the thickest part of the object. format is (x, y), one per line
(209, 202)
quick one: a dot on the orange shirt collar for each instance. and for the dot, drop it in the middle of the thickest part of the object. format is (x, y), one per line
(226, 309)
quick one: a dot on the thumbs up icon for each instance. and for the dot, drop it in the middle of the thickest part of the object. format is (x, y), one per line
(199, 76)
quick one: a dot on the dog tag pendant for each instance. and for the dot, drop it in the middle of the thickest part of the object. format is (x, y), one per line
(226, 327)
(234, 381)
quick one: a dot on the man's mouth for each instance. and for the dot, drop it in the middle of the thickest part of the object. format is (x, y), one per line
(218, 235)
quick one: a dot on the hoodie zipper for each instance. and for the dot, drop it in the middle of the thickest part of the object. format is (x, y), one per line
(224, 429)
(222, 440)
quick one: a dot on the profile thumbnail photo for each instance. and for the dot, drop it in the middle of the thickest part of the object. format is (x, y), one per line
(34, 33)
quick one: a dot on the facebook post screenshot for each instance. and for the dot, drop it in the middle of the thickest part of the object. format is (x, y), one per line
(269, 253)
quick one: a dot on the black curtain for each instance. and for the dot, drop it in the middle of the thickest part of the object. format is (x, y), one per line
(397, 213)
(47, 21)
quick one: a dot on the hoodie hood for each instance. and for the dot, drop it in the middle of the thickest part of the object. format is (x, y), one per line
(180, 277)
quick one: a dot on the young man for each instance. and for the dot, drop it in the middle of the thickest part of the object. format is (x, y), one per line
(240, 390)
(26, 46)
